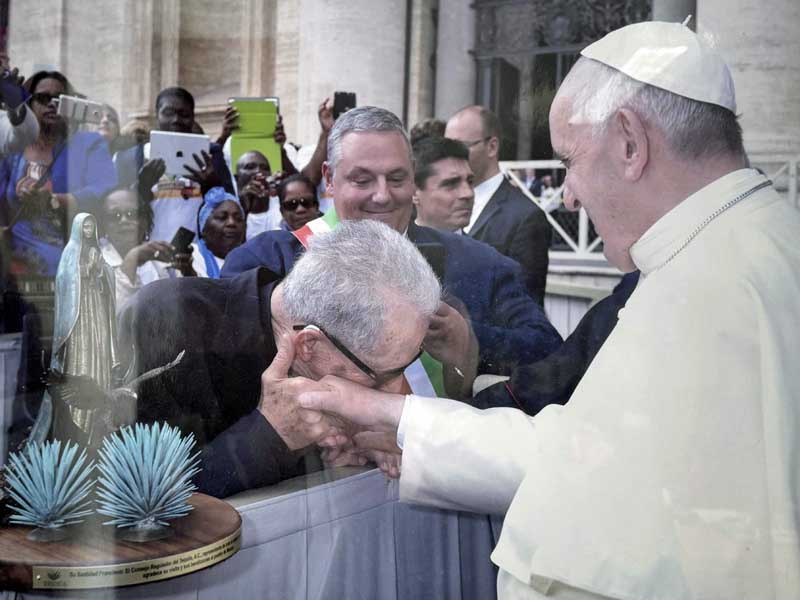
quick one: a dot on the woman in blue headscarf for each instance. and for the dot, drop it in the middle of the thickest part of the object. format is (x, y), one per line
(222, 228)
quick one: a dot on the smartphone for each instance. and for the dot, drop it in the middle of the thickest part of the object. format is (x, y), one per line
(436, 255)
(342, 102)
(12, 93)
(80, 110)
(182, 240)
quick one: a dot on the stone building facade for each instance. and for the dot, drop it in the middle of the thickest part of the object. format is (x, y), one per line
(419, 58)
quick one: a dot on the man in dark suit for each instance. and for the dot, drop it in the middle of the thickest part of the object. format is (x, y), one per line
(444, 179)
(503, 216)
(553, 379)
(369, 173)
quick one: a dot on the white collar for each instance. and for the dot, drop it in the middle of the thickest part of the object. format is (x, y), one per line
(483, 193)
(666, 235)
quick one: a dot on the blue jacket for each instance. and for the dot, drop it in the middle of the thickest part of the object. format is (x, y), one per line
(83, 168)
(510, 327)
(552, 380)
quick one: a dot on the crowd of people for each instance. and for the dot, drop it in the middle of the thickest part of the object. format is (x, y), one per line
(300, 334)
(220, 219)
(104, 169)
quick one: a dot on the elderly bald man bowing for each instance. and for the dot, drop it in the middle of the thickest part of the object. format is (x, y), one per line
(671, 472)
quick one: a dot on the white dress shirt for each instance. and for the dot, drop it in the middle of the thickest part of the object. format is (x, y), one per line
(483, 193)
(269, 220)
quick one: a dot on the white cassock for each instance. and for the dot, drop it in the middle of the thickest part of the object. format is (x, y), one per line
(674, 470)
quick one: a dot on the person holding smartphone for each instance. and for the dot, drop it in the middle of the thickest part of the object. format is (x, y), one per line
(53, 178)
(222, 226)
(126, 220)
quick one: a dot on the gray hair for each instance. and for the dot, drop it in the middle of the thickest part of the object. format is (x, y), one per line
(342, 283)
(692, 129)
(362, 119)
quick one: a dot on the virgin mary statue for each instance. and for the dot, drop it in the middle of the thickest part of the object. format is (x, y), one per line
(84, 340)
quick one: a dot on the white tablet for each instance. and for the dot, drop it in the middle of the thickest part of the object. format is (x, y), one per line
(176, 149)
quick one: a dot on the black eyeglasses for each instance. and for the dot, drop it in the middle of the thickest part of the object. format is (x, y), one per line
(118, 215)
(291, 205)
(378, 378)
(44, 98)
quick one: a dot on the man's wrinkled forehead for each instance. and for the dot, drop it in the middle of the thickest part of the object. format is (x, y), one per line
(368, 149)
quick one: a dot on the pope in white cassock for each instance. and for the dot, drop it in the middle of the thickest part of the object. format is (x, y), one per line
(674, 469)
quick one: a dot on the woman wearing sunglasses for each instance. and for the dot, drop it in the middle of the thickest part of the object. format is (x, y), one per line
(298, 202)
(44, 186)
(126, 222)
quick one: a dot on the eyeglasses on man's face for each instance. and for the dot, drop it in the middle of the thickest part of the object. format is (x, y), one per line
(379, 378)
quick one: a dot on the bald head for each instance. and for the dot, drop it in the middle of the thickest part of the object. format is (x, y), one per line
(479, 130)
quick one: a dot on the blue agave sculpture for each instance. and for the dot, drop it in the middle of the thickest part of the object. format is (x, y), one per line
(50, 488)
(146, 479)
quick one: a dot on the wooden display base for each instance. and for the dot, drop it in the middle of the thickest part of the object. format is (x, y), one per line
(95, 557)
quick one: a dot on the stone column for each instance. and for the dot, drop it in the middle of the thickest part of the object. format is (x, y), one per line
(258, 47)
(356, 46)
(37, 35)
(526, 91)
(761, 44)
(287, 57)
(152, 50)
(455, 66)
(421, 72)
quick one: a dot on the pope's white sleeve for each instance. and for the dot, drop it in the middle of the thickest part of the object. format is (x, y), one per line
(458, 457)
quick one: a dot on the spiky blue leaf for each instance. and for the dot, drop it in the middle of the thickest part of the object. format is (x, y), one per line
(49, 487)
(146, 475)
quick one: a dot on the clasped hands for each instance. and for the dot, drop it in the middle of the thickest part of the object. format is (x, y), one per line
(350, 423)
(354, 424)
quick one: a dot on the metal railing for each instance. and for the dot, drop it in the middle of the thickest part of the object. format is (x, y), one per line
(575, 244)
(581, 245)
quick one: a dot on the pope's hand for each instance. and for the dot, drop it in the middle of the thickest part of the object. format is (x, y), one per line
(369, 409)
(297, 426)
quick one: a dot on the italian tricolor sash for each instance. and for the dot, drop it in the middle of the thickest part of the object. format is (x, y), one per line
(425, 376)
